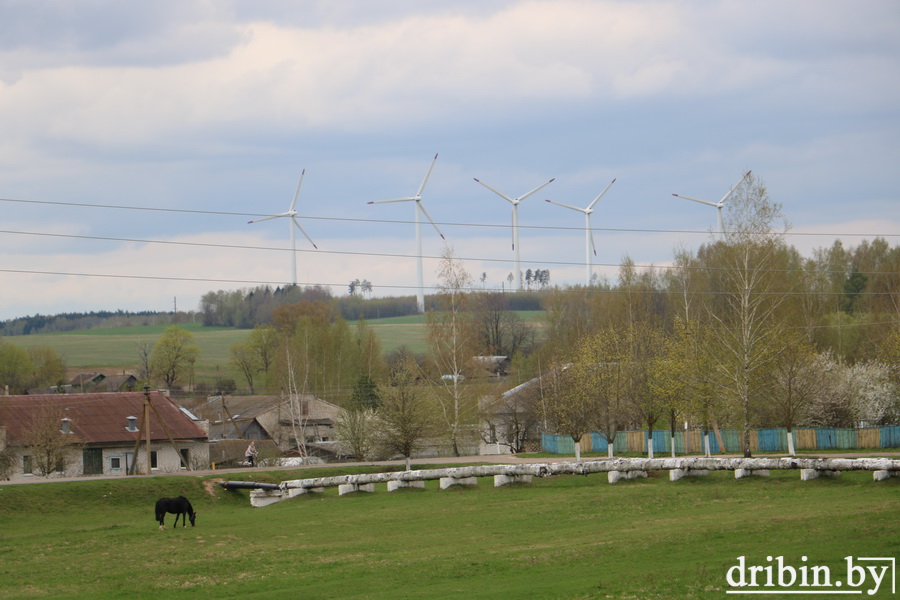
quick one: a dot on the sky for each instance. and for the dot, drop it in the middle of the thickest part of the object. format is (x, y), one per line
(137, 139)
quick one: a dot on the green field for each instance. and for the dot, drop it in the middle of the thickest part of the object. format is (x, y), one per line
(561, 537)
(116, 350)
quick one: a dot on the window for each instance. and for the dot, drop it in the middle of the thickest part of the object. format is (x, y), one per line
(153, 459)
(115, 463)
(27, 465)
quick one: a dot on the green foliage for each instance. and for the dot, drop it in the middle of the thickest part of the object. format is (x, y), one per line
(174, 355)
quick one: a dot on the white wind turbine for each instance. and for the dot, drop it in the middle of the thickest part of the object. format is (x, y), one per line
(292, 215)
(588, 234)
(419, 209)
(719, 222)
(515, 221)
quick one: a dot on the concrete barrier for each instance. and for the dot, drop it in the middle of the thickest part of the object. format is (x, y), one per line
(616, 468)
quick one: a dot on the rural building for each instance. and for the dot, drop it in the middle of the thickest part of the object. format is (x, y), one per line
(513, 420)
(275, 418)
(97, 433)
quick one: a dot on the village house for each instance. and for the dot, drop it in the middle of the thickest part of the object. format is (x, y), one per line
(276, 418)
(97, 434)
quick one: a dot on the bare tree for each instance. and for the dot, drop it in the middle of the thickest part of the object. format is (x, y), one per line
(356, 429)
(246, 360)
(51, 438)
(452, 338)
(405, 417)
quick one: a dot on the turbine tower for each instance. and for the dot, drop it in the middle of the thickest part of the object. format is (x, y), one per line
(719, 222)
(515, 222)
(588, 234)
(419, 209)
(292, 215)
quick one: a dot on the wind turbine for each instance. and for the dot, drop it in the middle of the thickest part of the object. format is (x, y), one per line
(419, 209)
(588, 234)
(292, 215)
(515, 221)
(719, 204)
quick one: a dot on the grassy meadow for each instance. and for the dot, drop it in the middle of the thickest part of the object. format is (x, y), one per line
(569, 537)
(115, 350)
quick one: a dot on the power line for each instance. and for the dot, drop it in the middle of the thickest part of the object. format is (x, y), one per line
(391, 255)
(589, 290)
(406, 222)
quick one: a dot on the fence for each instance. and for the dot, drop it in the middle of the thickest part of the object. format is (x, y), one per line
(761, 440)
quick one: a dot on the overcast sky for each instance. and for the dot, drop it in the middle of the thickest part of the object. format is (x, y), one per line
(207, 112)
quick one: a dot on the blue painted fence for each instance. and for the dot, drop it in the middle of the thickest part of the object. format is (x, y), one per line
(762, 440)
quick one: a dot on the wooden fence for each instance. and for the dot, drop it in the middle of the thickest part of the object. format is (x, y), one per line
(761, 440)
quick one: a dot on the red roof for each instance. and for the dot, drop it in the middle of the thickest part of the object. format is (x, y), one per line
(100, 418)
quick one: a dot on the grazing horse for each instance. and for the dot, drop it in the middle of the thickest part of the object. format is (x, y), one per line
(179, 507)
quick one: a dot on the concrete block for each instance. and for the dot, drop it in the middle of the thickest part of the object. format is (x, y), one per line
(260, 498)
(676, 474)
(396, 485)
(808, 474)
(349, 488)
(882, 475)
(741, 473)
(614, 476)
(500, 480)
(451, 481)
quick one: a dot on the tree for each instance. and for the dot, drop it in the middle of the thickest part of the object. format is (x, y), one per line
(500, 331)
(796, 380)
(50, 437)
(452, 339)
(48, 367)
(356, 429)
(405, 418)
(263, 341)
(587, 389)
(246, 360)
(174, 355)
(15, 367)
(145, 350)
(745, 314)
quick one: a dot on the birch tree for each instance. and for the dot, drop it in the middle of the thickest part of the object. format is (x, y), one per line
(746, 317)
(453, 342)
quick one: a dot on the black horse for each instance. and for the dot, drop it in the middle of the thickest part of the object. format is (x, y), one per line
(179, 506)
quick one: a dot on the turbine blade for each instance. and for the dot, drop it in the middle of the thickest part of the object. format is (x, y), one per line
(297, 193)
(515, 224)
(499, 193)
(540, 187)
(731, 191)
(581, 210)
(425, 212)
(304, 233)
(268, 218)
(593, 245)
(707, 202)
(410, 199)
(427, 175)
(600, 195)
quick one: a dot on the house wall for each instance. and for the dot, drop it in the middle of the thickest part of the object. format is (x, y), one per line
(167, 460)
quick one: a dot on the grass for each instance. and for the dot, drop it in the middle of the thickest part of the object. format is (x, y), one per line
(560, 537)
(115, 350)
